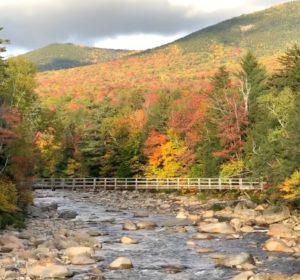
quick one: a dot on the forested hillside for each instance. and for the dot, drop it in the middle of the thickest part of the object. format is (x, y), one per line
(265, 33)
(64, 56)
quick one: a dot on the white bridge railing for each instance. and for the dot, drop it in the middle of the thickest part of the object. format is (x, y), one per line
(146, 183)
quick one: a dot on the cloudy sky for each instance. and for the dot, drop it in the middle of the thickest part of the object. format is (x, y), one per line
(118, 24)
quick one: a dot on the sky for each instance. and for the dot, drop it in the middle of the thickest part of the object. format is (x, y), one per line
(116, 24)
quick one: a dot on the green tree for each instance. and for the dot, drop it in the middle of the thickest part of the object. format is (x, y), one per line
(289, 73)
(252, 80)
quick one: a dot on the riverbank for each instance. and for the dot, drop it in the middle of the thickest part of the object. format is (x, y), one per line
(79, 235)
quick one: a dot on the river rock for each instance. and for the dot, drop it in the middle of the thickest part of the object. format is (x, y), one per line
(246, 229)
(244, 209)
(140, 214)
(277, 245)
(217, 228)
(75, 251)
(273, 277)
(82, 259)
(239, 261)
(128, 240)
(36, 212)
(172, 268)
(68, 214)
(281, 230)
(181, 215)
(10, 241)
(146, 225)
(129, 226)
(56, 271)
(35, 271)
(272, 215)
(204, 250)
(236, 223)
(203, 237)
(243, 276)
(208, 214)
(194, 218)
(121, 263)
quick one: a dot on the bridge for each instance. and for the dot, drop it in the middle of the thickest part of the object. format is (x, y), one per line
(94, 184)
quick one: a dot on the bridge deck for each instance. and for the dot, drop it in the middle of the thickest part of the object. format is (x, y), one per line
(146, 183)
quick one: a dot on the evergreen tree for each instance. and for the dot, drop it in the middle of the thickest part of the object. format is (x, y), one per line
(252, 81)
(289, 73)
(159, 113)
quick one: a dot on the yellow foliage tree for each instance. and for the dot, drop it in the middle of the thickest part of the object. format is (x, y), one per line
(291, 186)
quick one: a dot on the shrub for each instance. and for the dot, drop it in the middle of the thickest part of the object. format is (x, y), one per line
(26, 198)
(8, 197)
(216, 207)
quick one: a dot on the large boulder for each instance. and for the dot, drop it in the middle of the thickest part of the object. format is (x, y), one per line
(281, 230)
(217, 228)
(274, 215)
(121, 263)
(245, 209)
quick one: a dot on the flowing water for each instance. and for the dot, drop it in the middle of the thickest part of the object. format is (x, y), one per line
(158, 247)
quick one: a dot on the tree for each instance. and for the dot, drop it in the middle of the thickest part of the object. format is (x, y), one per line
(252, 81)
(288, 75)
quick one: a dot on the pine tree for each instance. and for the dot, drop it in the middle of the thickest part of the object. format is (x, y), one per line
(252, 80)
(289, 74)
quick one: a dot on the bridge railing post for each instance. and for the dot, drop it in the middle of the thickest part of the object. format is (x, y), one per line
(209, 183)
(240, 183)
(220, 184)
(94, 184)
(115, 183)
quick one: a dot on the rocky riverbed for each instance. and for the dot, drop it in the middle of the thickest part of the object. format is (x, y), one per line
(132, 235)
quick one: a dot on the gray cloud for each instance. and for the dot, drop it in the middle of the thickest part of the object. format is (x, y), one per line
(31, 24)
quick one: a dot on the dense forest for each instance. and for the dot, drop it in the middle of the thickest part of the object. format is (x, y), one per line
(64, 56)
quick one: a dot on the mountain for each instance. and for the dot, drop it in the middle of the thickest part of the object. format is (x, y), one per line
(265, 32)
(64, 56)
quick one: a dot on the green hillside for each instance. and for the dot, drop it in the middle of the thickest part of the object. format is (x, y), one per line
(265, 32)
(64, 56)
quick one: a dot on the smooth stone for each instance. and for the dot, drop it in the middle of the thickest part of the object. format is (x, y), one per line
(236, 260)
(140, 214)
(203, 237)
(75, 251)
(68, 214)
(82, 260)
(121, 263)
(129, 226)
(217, 228)
(243, 276)
(281, 230)
(272, 215)
(128, 240)
(56, 271)
(204, 250)
(277, 245)
(146, 225)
